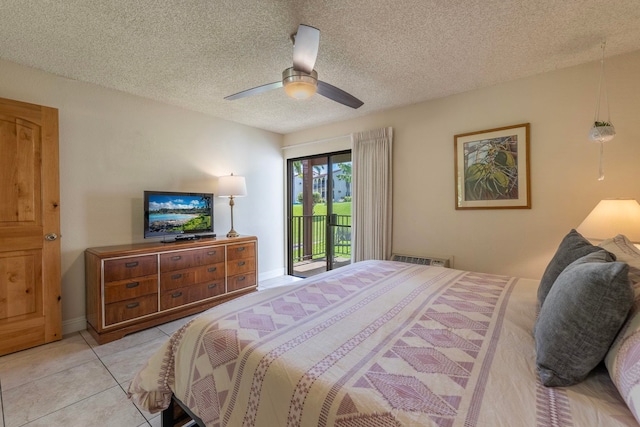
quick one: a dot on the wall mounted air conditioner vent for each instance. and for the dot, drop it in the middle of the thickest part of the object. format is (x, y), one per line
(411, 259)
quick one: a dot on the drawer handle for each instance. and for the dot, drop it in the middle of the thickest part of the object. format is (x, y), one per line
(131, 264)
(133, 285)
(240, 249)
(213, 285)
(241, 278)
(133, 304)
(176, 258)
(176, 276)
(176, 295)
(211, 253)
(241, 263)
(212, 269)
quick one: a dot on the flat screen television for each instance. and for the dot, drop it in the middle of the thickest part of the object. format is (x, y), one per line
(178, 215)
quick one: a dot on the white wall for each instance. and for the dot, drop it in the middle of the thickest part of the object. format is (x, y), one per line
(113, 146)
(564, 164)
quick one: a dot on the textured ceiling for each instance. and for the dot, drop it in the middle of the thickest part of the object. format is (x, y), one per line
(193, 53)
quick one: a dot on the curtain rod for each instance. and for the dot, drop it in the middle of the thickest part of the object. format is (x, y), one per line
(318, 141)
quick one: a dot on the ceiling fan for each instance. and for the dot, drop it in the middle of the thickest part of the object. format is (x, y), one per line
(301, 80)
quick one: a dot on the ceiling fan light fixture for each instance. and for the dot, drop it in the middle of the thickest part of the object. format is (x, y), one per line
(298, 84)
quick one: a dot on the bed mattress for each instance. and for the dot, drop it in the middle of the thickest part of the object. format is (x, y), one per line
(376, 343)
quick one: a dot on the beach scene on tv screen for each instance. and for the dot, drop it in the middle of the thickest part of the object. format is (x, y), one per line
(179, 214)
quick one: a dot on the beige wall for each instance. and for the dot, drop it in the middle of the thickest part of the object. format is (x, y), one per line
(564, 164)
(114, 146)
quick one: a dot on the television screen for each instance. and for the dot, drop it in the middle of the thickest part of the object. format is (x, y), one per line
(170, 213)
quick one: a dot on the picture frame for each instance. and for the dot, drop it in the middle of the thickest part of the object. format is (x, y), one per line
(492, 168)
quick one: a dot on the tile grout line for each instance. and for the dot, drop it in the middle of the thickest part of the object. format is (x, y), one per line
(115, 379)
(135, 406)
(64, 407)
(50, 375)
(46, 376)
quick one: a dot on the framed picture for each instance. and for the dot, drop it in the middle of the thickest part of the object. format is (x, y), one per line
(492, 168)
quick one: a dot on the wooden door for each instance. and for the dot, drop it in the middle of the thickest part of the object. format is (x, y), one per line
(30, 307)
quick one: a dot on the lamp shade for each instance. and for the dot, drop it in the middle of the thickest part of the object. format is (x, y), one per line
(612, 217)
(232, 185)
(298, 84)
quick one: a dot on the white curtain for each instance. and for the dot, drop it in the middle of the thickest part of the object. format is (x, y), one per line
(372, 194)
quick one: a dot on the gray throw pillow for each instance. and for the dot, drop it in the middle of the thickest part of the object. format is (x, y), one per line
(572, 247)
(580, 318)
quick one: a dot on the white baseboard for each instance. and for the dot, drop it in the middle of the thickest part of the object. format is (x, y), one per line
(271, 274)
(74, 325)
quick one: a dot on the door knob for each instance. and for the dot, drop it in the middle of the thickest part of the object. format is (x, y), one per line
(51, 237)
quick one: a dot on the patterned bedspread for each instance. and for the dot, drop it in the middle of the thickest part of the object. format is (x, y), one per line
(377, 343)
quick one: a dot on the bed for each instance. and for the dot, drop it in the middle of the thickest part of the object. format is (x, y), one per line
(376, 343)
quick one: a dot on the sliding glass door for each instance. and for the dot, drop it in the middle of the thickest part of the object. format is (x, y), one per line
(319, 213)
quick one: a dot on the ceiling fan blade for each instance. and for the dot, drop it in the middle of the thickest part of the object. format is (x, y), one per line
(338, 95)
(305, 48)
(254, 91)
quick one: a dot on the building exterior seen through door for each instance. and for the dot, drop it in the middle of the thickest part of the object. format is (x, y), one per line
(319, 213)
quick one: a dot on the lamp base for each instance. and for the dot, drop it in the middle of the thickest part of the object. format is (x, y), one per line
(233, 233)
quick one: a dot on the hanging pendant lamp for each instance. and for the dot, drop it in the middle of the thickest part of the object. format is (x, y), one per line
(602, 130)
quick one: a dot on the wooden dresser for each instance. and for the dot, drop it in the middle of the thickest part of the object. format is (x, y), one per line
(136, 286)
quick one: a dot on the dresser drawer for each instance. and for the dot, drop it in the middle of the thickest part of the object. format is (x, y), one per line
(187, 294)
(191, 258)
(177, 279)
(210, 255)
(241, 281)
(247, 250)
(241, 266)
(124, 268)
(210, 272)
(177, 260)
(130, 288)
(130, 309)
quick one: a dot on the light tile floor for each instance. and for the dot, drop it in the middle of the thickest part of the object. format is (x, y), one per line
(76, 382)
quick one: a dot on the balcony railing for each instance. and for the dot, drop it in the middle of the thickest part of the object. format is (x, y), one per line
(316, 246)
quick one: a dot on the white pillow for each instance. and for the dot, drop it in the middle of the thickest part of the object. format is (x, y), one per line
(623, 358)
(625, 251)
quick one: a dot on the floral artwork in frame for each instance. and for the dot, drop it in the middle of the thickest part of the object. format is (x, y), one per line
(492, 168)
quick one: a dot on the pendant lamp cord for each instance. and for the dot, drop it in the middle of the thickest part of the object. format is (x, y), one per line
(602, 85)
(601, 166)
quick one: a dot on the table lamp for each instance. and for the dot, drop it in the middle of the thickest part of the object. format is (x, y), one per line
(232, 186)
(611, 217)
